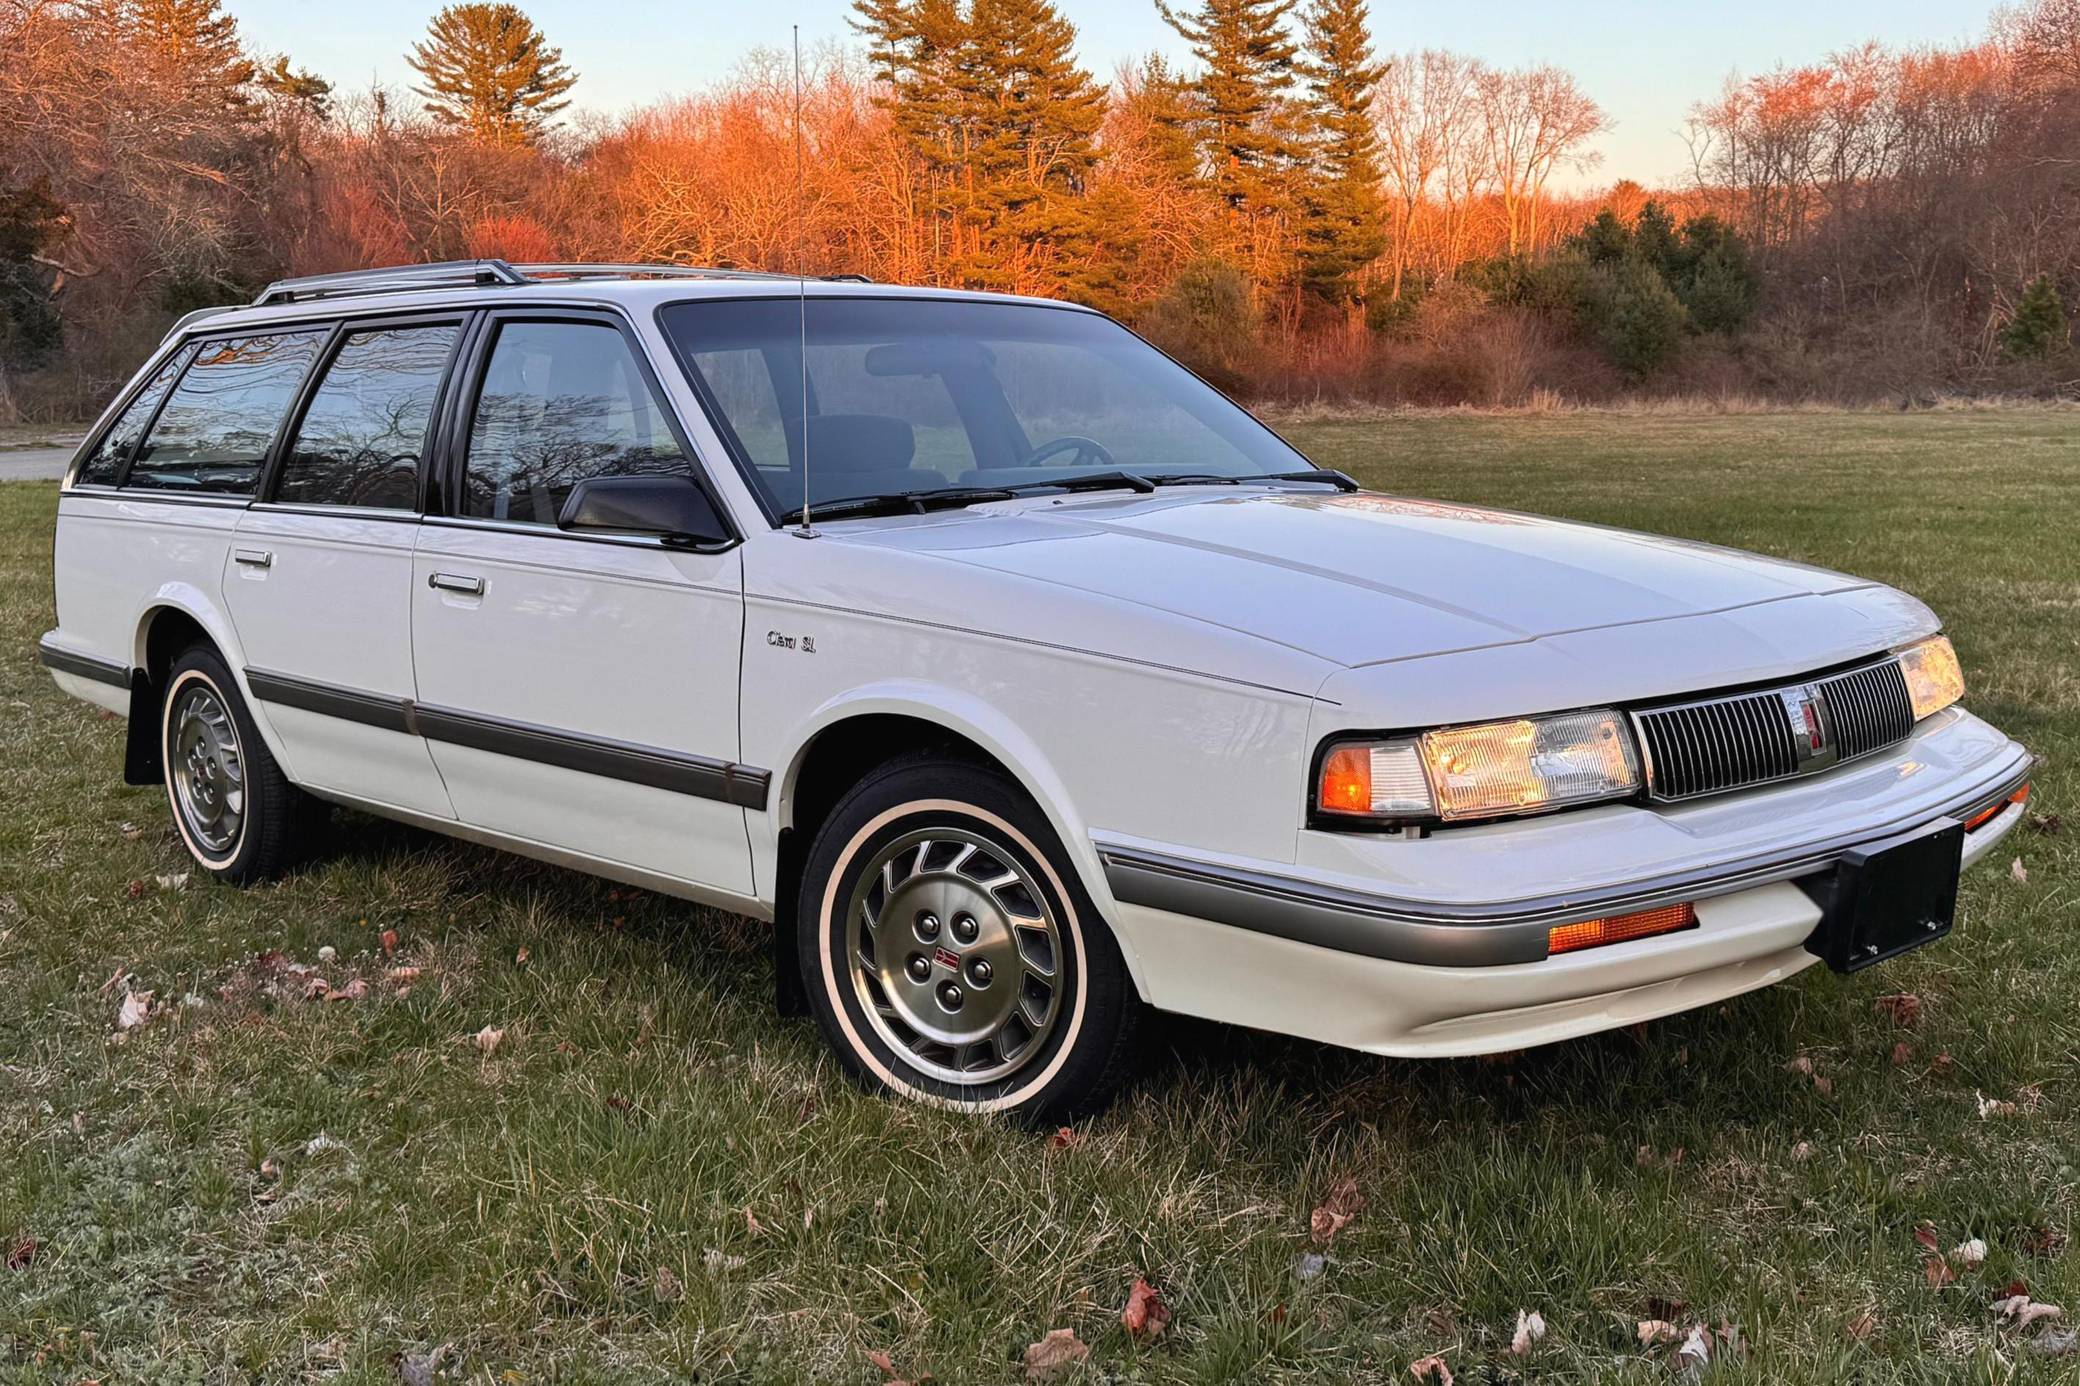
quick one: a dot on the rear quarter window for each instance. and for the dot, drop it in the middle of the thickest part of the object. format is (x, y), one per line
(105, 464)
(220, 421)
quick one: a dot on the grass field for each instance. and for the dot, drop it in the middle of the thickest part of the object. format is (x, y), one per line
(650, 1177)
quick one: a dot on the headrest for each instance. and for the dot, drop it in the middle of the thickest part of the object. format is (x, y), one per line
(860, 443)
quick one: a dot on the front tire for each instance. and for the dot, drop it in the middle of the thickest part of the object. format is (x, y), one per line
(237, 813)
(952, 956)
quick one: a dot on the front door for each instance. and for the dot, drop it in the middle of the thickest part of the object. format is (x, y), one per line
(579, 691)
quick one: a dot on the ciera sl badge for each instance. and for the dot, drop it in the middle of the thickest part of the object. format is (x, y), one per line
(1812, 726)
(805, 643)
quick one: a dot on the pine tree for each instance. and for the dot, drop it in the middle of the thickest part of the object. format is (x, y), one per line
(299, 85)
(1248, 59)
(1345, 226)
(490, 72)
(189, 47)
(990, 100)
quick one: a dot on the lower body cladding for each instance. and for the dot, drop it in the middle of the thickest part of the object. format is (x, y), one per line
(1290, 956)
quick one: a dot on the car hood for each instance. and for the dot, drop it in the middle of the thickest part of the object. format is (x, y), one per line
(1358, 579)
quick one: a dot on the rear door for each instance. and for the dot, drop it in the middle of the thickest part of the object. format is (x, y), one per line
(320, 578)
(579, 691)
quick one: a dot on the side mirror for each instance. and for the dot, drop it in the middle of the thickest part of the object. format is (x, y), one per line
(673, 508)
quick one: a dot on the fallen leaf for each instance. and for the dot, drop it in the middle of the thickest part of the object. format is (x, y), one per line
(178, 880)
(2057, 1342)
(1145, 1316)
(1902, 1054)
(402, 974)
(1942, 1063)
(1904, 1008)
(2018, 872)
(316, 989)
(1993, 1107)
(1970, 1255)
(115, 979)
(352, 991)
(130, 831)
(1431, 1368)
(388, 940)
(666, 1287)
(1055, 1355)
(269, 1169)
(1696, 1350)
(1925, 1235)
(2024, 1311)
(1335, 1212)
(1802, 1152)
(134, 890)
(489, 1038)
(1939, 1273)
(2046, 823)
(1065, 1138)
(882, 1360)
(521, 956)
(1530, 1328)
(22, 1253)
(1653, 1331)
(751, 1224)
(1860, 1328)
(416, 1369)
(137, 1008)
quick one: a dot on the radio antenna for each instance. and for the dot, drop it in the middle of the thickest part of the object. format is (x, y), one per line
(801, 284)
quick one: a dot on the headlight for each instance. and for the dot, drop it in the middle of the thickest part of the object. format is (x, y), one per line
(1489, 770)
(1934, 677)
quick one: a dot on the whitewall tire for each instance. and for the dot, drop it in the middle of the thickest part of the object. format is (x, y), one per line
(236, 812)
(952, 956)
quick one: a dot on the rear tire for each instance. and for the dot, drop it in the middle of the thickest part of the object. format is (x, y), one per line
(952, 956)
(236, 812)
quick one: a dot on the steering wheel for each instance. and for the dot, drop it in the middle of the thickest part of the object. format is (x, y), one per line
(1089, 452)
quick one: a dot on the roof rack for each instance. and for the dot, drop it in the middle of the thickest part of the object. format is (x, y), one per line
(491, 273)
(391, 279)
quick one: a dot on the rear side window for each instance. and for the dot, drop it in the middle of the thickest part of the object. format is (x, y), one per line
(561, 401)
(105, 464)
(361, 438)
(221, 418)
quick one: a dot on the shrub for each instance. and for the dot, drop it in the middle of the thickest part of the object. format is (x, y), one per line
(1635, 316)
(2038, 328)
(1206, 319)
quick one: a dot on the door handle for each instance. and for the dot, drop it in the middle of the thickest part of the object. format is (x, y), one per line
(457, 582)
(253, 558)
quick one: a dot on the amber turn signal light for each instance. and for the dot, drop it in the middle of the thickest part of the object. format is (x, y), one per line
(1620, 928)
(1996, 809)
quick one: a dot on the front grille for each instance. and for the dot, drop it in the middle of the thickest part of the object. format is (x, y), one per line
(1716, 744)
(1871, 708)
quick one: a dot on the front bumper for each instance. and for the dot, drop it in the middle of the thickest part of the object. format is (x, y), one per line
(1422, 968)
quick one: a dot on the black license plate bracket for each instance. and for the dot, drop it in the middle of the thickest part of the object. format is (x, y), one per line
(1887, 897)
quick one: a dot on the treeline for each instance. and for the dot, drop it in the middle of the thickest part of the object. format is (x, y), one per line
(1294, 212)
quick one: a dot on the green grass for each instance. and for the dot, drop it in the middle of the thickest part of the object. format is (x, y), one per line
(652, 1177)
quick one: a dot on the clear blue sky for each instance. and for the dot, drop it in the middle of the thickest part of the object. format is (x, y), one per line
(1645, 61)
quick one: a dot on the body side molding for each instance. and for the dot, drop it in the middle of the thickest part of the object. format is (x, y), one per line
(66, 661)
(700, 776)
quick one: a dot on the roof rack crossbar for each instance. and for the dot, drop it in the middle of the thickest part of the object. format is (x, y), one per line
(347, 283)
(487, 273)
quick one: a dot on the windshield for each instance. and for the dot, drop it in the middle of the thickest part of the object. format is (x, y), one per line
(922, 396)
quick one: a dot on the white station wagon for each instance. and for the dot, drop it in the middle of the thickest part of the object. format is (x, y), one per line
(1019, 678)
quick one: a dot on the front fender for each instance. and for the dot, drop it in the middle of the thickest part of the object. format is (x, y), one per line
(975, 720)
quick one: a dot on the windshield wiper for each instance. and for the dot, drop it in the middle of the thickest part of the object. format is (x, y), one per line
(1326, 476)
(1087, 481)
(900, 502)
(953, 497)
